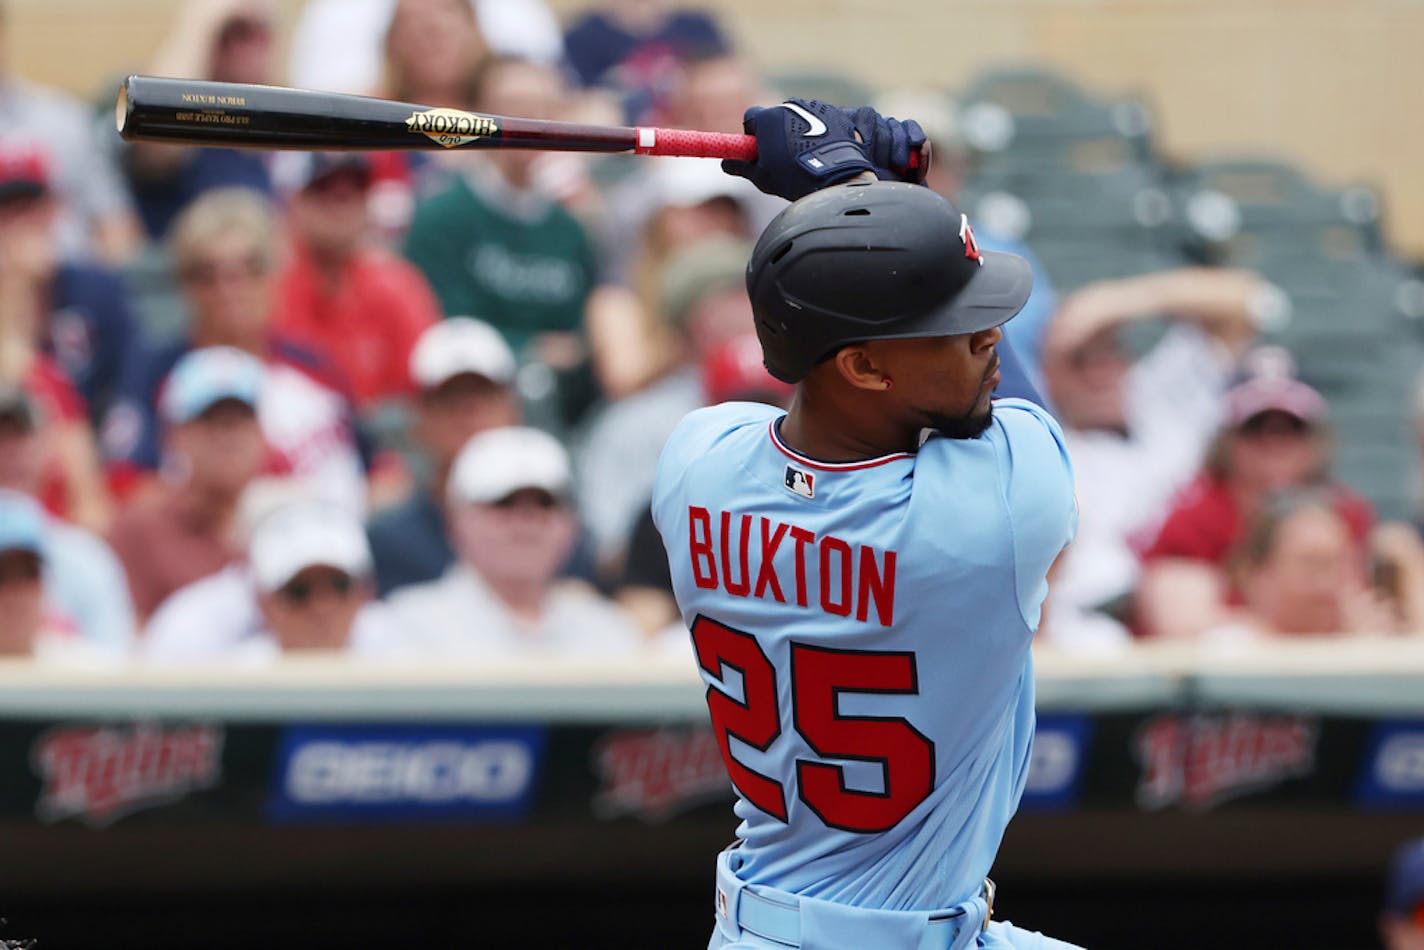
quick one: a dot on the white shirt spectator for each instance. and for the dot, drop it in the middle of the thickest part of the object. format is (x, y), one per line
(1126, 481)
(337, 45)
(459, 616)
(618, 456)
(216, 621)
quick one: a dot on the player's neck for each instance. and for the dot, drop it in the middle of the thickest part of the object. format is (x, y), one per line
(831, 430)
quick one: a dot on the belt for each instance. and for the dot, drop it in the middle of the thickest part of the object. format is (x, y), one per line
(785, 918)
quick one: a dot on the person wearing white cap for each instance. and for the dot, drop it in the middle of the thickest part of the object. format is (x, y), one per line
(512, 525)
(214, 447)
(462, 372)
(305, 587)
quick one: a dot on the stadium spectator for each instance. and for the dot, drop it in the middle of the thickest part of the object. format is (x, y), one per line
(1401, 922)
(224, 248)
(513, 525)
(652, 218)
(1273, 438)
(76, 312)
(223, 40)
(305, 587)
(337, 43)
(732, 371)
(492, 243)
(463, 374)
(704, 300)
(357, 305)
(636, 46)
(1137, 430)
(83, 578)
(95, 216)
(31, 622)
(213, 447)
(1299, 571)
(496, 244)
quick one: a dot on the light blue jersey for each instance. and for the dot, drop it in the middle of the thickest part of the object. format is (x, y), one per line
(864, 629)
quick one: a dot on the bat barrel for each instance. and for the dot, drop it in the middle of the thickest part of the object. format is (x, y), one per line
(251, 116)
(238, 115)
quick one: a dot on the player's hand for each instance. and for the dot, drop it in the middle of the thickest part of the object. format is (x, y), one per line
(804, 145)
(889, 142)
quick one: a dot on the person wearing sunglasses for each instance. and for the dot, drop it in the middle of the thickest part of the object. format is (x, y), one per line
(512, 525)
(224, 247)
(1401, 923)
(305, 588)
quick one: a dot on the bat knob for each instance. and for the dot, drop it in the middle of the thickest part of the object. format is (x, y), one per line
(920, 162)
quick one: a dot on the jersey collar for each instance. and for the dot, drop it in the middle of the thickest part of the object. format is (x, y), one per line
(819, 465)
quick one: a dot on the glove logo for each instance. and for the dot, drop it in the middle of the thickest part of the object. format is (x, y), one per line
(817, 126)
(971, 246)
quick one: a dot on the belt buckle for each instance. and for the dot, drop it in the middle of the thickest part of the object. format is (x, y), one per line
(989, 891)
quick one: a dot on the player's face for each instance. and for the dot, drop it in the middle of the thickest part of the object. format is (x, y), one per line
(523, 538)
(1401, 933)
(945, 383)
(315, 609)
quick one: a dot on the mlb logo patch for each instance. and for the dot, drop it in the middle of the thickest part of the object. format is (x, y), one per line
(802, 483)
(721, 903)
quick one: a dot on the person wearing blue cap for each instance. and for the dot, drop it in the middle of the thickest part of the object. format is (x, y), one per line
(22, 557)
(1402, 920)
(213, 447)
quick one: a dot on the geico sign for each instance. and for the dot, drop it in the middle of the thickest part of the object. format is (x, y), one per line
(1399, 764)
(433, 772)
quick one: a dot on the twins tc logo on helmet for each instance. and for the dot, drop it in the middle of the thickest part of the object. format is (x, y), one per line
(971, 246)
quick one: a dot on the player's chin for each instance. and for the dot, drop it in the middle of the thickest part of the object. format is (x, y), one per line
(967, 427)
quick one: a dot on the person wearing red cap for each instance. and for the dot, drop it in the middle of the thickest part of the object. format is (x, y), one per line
(361, 307)
(1273, 439)
(96, 216)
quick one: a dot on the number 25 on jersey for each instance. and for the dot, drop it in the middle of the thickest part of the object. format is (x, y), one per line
(819, 676)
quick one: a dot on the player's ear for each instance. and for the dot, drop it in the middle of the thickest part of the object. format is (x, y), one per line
(859, 368)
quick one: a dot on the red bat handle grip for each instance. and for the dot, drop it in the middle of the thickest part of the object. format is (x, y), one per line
(692, 144)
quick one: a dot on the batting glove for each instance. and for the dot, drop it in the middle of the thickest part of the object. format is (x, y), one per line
(804, 145)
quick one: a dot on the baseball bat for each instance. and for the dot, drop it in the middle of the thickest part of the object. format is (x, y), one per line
(239, 115)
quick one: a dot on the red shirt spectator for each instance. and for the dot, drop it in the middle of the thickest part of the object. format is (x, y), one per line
(1207, 522)
(1273, 441)
(360, 307)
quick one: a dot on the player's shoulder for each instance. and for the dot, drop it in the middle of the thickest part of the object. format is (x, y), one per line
(701, 429)
(1019, 419)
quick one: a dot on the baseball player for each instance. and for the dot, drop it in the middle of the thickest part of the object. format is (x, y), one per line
(862, 575)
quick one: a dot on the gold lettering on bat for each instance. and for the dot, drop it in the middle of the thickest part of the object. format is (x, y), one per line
(451, 127)
(204, 99)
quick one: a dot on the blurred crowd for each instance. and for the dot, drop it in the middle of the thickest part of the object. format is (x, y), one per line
(409, 404)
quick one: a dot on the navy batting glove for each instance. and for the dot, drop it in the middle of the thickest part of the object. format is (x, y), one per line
(888, 141)
(803, 145)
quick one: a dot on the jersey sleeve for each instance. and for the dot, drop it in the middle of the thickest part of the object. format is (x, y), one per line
(1038, 491)
(694, 436)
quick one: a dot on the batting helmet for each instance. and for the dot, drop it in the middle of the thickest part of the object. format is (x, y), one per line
(873, 261)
